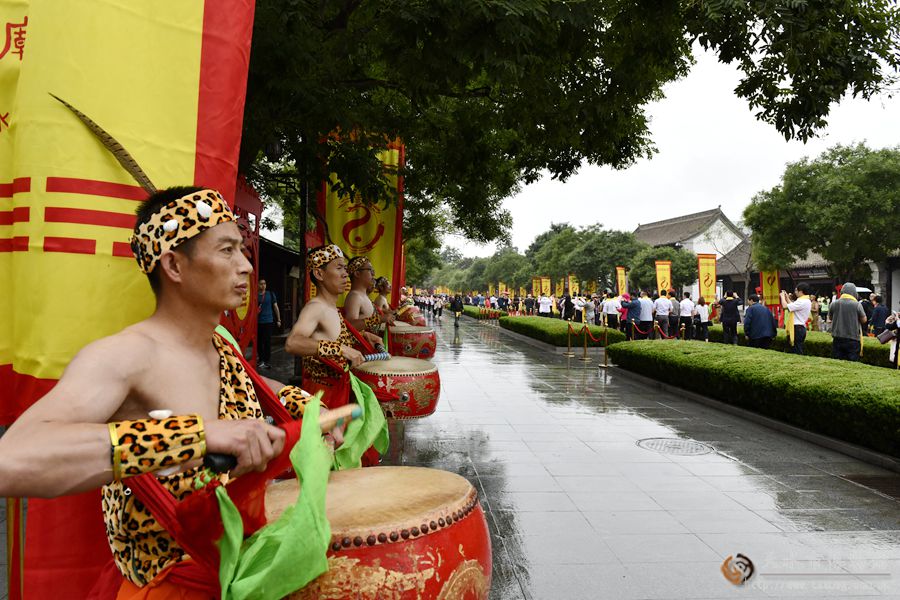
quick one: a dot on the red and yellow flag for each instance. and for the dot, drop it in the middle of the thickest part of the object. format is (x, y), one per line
(574, 285)
(706, 267)
(535, 286)
(546, 286)
(169, 85)
(768, 281)
(663, 275)
(621, 280)
(501, 288)
(372, 230)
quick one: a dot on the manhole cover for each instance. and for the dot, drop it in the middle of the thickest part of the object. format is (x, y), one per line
(676, 446)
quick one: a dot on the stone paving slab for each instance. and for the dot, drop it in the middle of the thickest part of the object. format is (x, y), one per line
(577, 510)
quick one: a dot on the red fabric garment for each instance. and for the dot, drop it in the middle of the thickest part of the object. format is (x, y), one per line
(165, 586)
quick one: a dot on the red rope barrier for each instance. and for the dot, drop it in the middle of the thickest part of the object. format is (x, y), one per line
(659, 329)
(639, 330)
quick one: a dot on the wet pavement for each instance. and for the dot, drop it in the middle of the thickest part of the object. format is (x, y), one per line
(577, 509)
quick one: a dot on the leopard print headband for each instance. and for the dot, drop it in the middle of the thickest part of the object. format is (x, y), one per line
(319, 257)
(175, 223)
(357, 264)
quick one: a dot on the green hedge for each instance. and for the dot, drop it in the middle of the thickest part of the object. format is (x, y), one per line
(849, 401)
(480, 313)
(818, 343)
(555, 331)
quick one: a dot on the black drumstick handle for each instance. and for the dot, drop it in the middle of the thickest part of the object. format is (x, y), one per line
(219, 463)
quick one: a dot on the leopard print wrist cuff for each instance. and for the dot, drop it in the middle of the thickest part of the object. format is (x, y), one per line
(148, 445)
(294, 400)
(330, 349)
(373, 323)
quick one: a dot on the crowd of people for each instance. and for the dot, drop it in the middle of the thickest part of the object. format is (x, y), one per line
(667, 314)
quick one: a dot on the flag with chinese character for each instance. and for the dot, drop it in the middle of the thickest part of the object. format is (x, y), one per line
(621, 280)
(663, 275)
(574, 285)
(706, 267)
(169, 85)
(374, 230)
(545, 286)
(768, 281)
(535, 286)
(560, 288)
(501, 287)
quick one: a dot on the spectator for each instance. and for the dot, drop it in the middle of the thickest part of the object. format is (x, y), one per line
(813, 313)
(759, 324)
(456, 305)
(268, 319)
(798, 313)
(544, 306)
(529, 305)
(893, 324)
(662, 306)
(686, 314)
(675, 313)
(567, 308)
(867, 308)
(848, 322)
(730, 317)
(646, 316)
(438, 307)
(632, 310)
(880, 313)
(611, 307)
(588, 310)
(824, 304)
(701, 320)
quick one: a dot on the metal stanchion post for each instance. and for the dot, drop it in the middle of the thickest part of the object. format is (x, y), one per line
(568, 353)
(585, 333)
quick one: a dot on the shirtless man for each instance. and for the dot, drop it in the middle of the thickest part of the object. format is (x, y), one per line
(92, 429)
(383, 287)
(359, 310)
(320, 331)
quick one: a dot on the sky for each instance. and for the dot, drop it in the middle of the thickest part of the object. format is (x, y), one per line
(712, 152)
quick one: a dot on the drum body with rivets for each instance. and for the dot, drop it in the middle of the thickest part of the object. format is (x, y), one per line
(414, 383)
(398, 533)
(413, 341)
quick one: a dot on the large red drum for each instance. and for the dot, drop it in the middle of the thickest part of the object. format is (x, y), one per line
(413, 341)
(414, 382)
(399, 533)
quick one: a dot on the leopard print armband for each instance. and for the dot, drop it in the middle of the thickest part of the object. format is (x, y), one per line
(148, 445)
(329, 349)
(373, 323)
(294, 400)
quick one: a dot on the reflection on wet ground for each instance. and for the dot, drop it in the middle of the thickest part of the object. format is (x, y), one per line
(577, 509)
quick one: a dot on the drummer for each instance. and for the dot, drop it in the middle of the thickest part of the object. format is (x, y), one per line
(82, 434)
(320, 334)
(359, 310)
(383, 287)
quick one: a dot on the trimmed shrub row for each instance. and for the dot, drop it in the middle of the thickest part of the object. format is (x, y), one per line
(555, 331)
(850, 401)
(480, 313)
(818, 343)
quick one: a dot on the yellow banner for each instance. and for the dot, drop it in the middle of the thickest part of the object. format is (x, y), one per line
(535, 286)
(501, 288)
(621, 280)
(706, 267)
(663, 275)
(560, 288)
(574, 285)
(768, 281)
(522, 292)
(545, 286)
(371, 230)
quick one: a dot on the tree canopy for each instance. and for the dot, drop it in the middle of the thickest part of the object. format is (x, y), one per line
(643, 267)
(488, 95)
(844, 205)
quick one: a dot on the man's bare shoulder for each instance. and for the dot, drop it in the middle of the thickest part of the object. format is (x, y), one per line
(128, 351)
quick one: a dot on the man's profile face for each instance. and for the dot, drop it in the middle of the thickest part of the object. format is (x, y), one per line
(333, 276)
(366, 275)
(262, 286)
(216, 273)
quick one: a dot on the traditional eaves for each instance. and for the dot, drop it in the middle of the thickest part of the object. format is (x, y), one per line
(680, 229)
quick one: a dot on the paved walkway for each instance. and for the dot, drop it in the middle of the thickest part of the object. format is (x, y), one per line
(578, 510)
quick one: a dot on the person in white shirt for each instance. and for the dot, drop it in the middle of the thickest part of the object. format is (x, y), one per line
(799, 309)
(662, 307)
(545, 303)
(686, 314)
(701, 311)
(611, 307)
(646, 324)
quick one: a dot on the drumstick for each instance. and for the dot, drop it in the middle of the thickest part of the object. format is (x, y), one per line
(376, 356)
(222, 463)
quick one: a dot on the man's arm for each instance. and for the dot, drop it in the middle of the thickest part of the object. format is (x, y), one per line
(276, 311)
(300, 341)
(861, 313)
(353, 307)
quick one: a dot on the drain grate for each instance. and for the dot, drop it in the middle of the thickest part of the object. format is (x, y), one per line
(676, 446)
(889, 485)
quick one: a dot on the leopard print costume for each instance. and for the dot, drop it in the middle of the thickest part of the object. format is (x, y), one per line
(317, 372)
(141, 547)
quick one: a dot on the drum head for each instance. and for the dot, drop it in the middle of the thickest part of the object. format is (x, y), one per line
(400, 325)
(414, 329)
(397, 365)
(381, 499)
